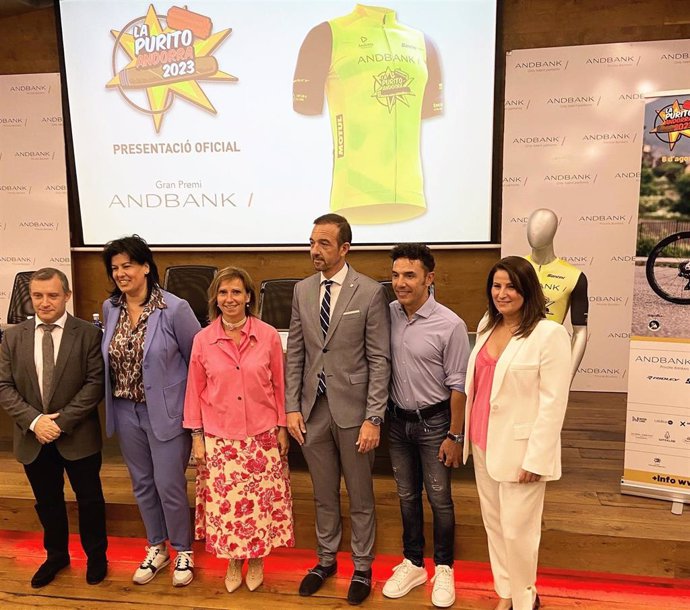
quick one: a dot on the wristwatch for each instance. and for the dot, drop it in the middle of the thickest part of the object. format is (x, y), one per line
(375, 419)
(456, 438)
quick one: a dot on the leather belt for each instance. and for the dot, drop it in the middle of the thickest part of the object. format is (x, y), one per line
(418, 415)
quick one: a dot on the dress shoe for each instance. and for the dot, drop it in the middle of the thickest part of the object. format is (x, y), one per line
(233, 576)
(96, 570)
(360, 587)
(312, 582)
(536, 606)
(255, 574)
(47, 572)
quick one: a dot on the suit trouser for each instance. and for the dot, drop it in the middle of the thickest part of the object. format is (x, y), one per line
(46, 476)
(512, 517)
(157, 469)
(329, 451)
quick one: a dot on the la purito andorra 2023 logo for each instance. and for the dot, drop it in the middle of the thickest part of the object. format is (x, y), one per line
(159, 57)
(672, 122)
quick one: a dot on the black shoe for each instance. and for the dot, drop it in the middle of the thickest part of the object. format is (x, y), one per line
(96, 570)
(360, 587)
(48, 571)
(312, 582)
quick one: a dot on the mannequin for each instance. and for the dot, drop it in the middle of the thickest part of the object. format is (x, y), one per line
(564, 286)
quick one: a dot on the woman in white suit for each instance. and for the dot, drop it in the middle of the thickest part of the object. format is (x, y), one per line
(518, 378)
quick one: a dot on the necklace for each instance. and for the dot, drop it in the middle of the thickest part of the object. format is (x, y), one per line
(233, 325)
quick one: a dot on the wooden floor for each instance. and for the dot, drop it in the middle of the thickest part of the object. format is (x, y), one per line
(588, 525)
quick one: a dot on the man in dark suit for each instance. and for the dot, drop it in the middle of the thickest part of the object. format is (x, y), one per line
(51, 381)
(338, 368)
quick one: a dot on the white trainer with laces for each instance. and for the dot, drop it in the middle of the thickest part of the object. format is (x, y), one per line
(406, 576)
(157, 557)
(443, 593)
(183, 573)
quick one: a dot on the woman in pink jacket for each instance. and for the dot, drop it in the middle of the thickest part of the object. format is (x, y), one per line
(235, 407)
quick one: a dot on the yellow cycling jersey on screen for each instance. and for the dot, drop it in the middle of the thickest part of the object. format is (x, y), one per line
(381, 78)
(558, 280)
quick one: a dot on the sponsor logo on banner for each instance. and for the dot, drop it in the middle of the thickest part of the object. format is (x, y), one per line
(608, 300)
(166, 56)
(38, 225)
(60, 260)
(579, 261)
(602, 371)
(54, 120)
(624, 336)
(628, 175)
(29, 89)
(15, 189)
(539, 141)
(17, 260)
(605, 219)
(638, 419)
(518, 220)
(673, 360)
(614, 61)
(4, 294)
(35, 155)
(56, 189)
(573, 101)
(622, 258)
(672, 122)
(542, 65)
(630, 96)
(512, 181)
(3, 226)
(677, 57)
(517, 104)
(570, 178)
(12, 121)
(610, 137)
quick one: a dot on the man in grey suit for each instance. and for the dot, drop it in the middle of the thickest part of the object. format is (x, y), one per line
(338, 369)
(51, 381)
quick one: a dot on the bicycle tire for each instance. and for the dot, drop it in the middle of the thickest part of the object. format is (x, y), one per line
(649, 268)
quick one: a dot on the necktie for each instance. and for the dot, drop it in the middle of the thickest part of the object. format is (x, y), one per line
(325, 318)
(48, 362)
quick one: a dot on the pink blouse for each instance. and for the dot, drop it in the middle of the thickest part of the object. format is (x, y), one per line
(484, 369)
(236, 391)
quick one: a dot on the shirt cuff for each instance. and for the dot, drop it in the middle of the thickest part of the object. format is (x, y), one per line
(32, 425)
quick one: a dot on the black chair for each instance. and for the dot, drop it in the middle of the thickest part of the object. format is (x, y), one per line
(275, 302)
(20, 308)
(191, 282)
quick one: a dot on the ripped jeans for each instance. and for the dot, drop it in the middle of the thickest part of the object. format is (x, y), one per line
(414, 455)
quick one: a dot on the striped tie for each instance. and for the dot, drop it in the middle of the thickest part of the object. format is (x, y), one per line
(325, 317)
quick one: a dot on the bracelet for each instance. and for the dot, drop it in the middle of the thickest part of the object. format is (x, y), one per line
(456, 438)
(198, 432)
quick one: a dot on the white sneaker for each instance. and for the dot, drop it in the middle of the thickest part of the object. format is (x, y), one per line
(406, 576)
(157, 557)
(443, 593)
(184, 569)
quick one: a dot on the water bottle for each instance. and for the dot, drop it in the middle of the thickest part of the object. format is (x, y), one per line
(96, 320)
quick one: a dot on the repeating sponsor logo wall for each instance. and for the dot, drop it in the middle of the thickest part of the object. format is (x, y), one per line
(34, 227)
(573, 119)
(657, 447)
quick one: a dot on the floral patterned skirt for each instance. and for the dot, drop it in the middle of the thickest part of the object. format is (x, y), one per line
(243, 498)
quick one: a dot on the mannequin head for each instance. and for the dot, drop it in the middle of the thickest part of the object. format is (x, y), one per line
(541, 228)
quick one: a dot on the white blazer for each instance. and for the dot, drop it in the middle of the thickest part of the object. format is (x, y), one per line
(529, 396)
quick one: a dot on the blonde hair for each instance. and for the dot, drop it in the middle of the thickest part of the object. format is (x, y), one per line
(231, 273)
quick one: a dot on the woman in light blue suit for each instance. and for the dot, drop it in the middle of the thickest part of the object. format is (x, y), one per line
(147, 342)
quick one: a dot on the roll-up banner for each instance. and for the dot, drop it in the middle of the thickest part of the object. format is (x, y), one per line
(657, 443)
(34, 226)
(572, 145)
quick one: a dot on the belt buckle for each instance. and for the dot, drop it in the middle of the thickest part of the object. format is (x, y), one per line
(419, 415)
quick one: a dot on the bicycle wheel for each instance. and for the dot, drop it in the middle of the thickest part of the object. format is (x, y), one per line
(668, 268)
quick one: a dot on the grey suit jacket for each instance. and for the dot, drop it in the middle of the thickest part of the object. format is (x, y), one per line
(355, 354)
(77, 389)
